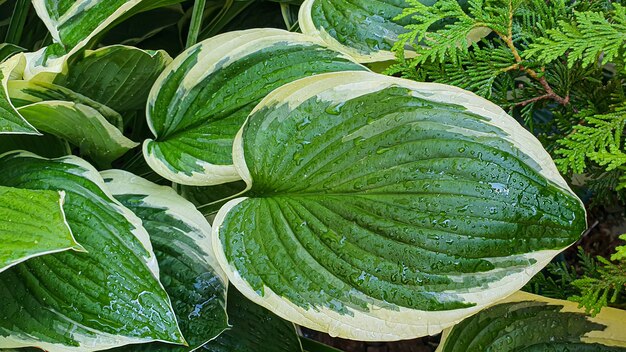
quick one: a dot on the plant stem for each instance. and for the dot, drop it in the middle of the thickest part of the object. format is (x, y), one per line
(196, 22)
(508, 40)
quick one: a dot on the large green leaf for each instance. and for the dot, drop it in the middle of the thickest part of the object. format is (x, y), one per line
(117, 76)
(82, 126)
(107, 297)
(189, 271)
(381, 208)
(200, 101)
(10, 120)
(526, 322)
(254, 329)
(32, 223)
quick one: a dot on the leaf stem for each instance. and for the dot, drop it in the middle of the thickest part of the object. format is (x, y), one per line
(196, 22)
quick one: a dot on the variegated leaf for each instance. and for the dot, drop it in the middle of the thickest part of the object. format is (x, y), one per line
(24, 93)
(80, 125)
(527, 322)
(119, 77)
(380, 208)
(182, 245)
(201, 100)
(365, 30)
(73, 24)
(71, 301)
(11, 121)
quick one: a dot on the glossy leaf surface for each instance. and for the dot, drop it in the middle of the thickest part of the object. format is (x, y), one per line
(32, 223)
(380, 208)
(109, 296)
(526, 322)
(189, 271)
(201, 100)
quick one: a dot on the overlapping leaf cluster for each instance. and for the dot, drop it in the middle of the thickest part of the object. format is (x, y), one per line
(337, 231)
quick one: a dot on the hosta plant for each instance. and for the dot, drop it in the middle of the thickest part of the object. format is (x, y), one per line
(211, 198)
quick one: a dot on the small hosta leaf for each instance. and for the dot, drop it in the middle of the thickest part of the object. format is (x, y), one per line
(107, 297)
(380, 208)
(117, 76)
(80, 125)
(32, 223)
(527, 322)
(190, 273)
(72, 25)
(363, 29)
(201, 100)
(11, 122)
(254, 329)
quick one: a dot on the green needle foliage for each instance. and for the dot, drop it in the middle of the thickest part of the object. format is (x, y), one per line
(557, 66)
(605, 287)
(593, 282)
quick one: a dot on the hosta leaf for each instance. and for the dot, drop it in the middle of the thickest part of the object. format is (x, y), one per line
(526, 322)
(82, 126)
(71, 22)
(72, 25)
(117, 76)
(254, 329)
(32, 223)
(107, 297)
(365, 30)
(200, 101)
(181, 239)
(381, 208)
(10, 120)
(24, 92)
